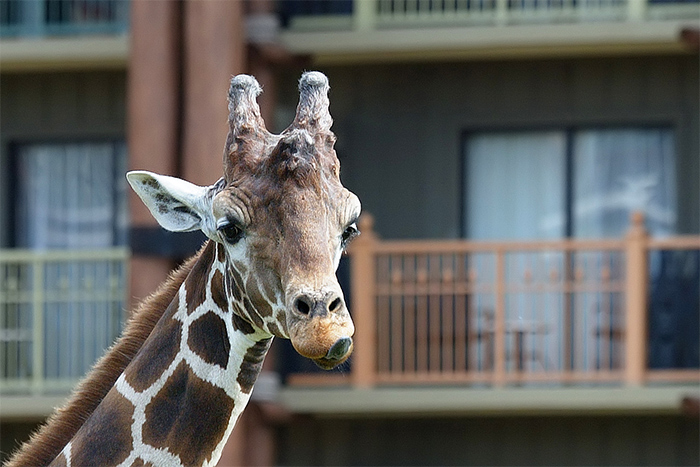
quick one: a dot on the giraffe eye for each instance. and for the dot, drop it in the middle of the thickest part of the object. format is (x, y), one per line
(349, 233)
(230, 231)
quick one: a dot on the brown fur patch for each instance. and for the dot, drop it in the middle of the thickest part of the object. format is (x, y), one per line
(105, 438)
(188, 416)
(220, 253)
(252, 364)
(157, 353)
(218, 292)
(261, 306)
(209, 339)
(197, 282)
(141, 463)
(252, 313)
(49, 440)
(235, 283)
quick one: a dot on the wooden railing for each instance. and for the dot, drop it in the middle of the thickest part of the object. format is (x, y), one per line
(463, 312)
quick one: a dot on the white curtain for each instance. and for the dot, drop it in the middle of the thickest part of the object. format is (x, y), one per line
(620, 171)
(71, 196)
(515, 185)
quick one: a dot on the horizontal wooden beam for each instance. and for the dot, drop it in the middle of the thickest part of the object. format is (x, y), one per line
(474, 402)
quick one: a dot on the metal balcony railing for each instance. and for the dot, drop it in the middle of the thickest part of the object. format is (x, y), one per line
(63, 17)
(383, 14)
(621, 311)
(59, 312)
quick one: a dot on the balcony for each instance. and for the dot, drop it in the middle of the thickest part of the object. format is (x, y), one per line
(59, 312)
(613, 313)
(63, 17)
(380, 29)
(37, 35)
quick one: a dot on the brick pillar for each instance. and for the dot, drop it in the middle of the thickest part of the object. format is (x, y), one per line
(153, 115)
(214, 51)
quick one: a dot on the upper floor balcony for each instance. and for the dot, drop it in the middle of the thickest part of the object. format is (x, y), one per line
(379, 29)
(63, 17)
(49, 34)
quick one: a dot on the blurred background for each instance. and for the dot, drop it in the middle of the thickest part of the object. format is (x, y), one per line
(525, 290)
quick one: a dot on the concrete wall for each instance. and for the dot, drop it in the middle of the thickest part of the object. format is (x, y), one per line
(400, 126)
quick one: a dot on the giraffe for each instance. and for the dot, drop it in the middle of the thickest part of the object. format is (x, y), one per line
(171, 388)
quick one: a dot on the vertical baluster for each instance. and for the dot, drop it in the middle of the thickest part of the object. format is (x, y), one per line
(500, 320)
(447, 310)
(384, 316)
(461, 298)
(396, 314)
(37, 325)
(410, 314)
(422, 312)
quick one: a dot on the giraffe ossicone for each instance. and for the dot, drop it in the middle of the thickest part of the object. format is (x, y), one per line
(170, 390)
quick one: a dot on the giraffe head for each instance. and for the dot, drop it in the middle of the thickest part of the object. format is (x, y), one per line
(282, 216)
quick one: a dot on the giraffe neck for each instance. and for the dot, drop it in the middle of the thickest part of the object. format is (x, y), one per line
(177, 401)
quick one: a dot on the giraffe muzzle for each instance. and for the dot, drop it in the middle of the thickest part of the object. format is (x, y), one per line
(320, 326)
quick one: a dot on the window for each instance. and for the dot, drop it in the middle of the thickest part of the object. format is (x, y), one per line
(68, 197)
(581, 183)
(71, 196)
(568, 183)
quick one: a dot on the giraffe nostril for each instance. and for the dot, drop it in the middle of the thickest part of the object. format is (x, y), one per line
(302, 306)
(335, 305)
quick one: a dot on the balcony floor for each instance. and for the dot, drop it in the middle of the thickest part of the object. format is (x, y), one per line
(476, 402)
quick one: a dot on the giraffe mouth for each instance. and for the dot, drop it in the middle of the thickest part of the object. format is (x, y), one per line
(337, 354)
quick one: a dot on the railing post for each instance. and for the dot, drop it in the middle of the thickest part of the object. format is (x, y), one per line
(636, 10)
(636, 293)
(37, 325)
(363, 280)
(501, 12)
(499, 373)
(364, 15)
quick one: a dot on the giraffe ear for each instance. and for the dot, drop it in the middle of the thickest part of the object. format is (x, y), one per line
(177, 205)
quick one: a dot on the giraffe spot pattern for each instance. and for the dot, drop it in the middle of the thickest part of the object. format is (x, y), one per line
(252, 314)
(105, 438)
(242, 325)
(185, 390)
(188, 416)
(235, 284)
(221, 253)
(158, 352)
(197, 282)
(218, 293)
(274, 329)
(259, 306)
(208, 338)
(141, 463)
(252, 364)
